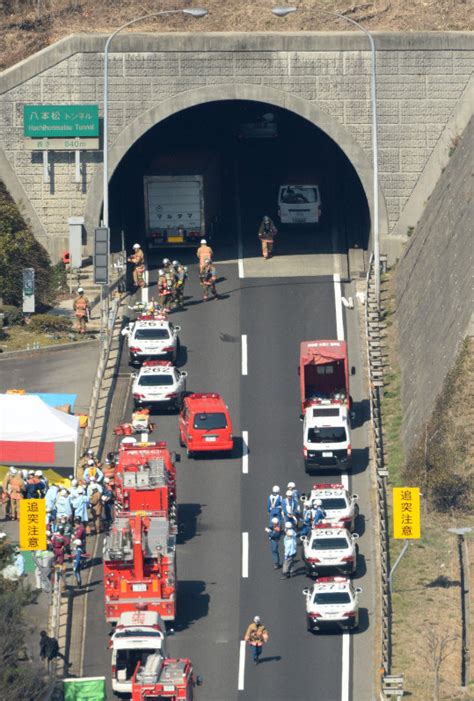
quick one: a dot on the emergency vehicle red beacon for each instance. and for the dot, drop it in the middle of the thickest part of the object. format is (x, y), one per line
(205, 425)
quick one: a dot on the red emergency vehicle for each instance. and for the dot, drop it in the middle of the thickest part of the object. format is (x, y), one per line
(205, 425)
(139, 550)
(159, 679)
(145, 478)
(139, 565)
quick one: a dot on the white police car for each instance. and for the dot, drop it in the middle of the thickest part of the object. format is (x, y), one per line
(340, 506)
(152, 336)
(332, 602)
(158, 382)
(330, 547)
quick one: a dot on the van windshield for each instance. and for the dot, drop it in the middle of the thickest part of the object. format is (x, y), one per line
(210, 421)
(299, 194)
(327, 434)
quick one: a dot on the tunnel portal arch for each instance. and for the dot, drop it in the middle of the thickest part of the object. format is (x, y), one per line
(357, 156)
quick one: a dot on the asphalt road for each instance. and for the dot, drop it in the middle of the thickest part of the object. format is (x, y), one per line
(218, 503)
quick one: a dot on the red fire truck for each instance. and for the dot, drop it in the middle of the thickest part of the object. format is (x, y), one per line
(159, 679)
(140, 549)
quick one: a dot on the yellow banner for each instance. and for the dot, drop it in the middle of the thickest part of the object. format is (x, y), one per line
(406, 513)
(32, 524)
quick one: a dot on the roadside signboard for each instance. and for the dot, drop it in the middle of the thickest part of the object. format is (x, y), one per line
(28, 290)
(32, 524)
(61, 144)
(61, 121)
(406, 513)
(84, 689)
(101, 255)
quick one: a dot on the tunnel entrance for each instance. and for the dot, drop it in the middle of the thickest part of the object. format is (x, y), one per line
(257, 148)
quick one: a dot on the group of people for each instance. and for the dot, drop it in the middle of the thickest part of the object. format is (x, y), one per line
(84, 507)
(172, 277)
(21, 484)
(290, 520)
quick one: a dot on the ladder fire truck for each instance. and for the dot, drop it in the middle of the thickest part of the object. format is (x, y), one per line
(159, 679)
(139, 551)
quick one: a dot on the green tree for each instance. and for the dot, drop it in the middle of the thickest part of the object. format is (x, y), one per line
(19, 249)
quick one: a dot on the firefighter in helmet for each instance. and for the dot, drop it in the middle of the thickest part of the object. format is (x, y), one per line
(82, 310)
(207, 277)
(138, 260)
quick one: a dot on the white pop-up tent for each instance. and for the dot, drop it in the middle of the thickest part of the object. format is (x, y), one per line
(30, 430)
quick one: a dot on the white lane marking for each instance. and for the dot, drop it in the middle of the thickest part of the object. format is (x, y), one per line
(245, 452)
(145, 289)
(84, 621)
(241, 684)
(240, 255)
(345, 480)
(245, 555)
(346, 649)
(244, 355)
(338, 303)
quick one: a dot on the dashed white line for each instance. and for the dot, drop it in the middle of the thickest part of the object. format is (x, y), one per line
(245, 555)
(346, 647)
(240, 255)
(244, 355)
(338, 304)
(241, 684)
(245, 452)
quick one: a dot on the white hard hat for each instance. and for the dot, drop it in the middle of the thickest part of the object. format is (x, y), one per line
(63, 492)
(256, 619)
(106, 480)
(289, 493)
(31, 472)
(161, 271)
(90, 451)
(136, 245)
(80, 490)
(291, 485)
(166, 261)
(90, 462)
(175, 263)
(78, 541)
(275, 489)
(288, 525)
(24, 473)
(275, 520)
(12, 470)
(80, 289)
(39, 473)
(74, 483)
(318, 502)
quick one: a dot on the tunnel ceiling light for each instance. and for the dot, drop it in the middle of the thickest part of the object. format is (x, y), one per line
(196, 12)
(282, 11)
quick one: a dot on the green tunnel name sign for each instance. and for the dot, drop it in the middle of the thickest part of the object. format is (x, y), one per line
(61, 120)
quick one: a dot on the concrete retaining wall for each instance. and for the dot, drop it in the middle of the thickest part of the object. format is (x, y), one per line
(325, 77)
(434, 289)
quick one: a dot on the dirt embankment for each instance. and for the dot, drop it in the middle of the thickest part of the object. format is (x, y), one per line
(29, 25)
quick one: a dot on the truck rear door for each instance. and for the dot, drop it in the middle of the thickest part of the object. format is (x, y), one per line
(174, 208)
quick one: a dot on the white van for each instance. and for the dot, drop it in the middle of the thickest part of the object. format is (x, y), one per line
(299, 204)
(138, 635)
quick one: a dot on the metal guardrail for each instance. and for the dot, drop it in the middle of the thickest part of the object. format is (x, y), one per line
(106, 341)
(374, 328)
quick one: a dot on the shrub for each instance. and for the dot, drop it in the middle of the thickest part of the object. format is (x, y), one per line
(12, 315)
(49, 322)
(19, 249)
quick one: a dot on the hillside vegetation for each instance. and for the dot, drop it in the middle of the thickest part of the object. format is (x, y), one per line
(26, 26)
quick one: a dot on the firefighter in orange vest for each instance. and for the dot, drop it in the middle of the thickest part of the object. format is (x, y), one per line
(82, 310)
(203, 252)
(138, 259)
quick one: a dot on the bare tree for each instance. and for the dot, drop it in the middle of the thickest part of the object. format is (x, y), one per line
(439, 645)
